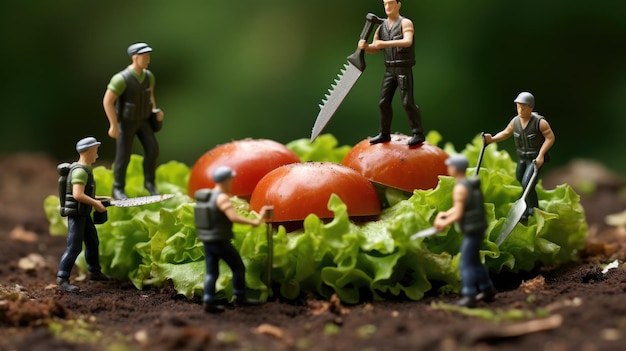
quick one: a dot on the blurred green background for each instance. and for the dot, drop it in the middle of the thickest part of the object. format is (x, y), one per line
(233, 69)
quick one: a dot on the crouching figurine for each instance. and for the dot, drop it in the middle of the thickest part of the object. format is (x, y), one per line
(214, 218)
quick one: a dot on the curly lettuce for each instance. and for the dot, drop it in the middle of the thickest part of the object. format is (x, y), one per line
(154, 244)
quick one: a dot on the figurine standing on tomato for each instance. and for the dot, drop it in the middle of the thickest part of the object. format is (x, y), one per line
(78, 200)
(533, 139)
(214, 218)
(469, 210)
(131, 110)
(395, 37)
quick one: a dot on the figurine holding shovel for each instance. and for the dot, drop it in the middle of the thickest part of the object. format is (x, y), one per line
(533, 139)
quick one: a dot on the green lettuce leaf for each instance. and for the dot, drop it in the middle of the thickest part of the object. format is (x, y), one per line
(155, 244)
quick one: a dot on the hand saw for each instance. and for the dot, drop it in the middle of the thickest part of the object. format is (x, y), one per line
(345, 80)
(136, 201)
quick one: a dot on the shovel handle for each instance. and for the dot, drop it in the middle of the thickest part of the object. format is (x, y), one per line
(531, 180)
(358, 57)
(482, 152)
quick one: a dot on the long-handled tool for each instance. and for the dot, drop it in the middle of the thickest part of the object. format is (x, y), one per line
(269, 214)
(432, 230)
(480, 156)
(517, 211)
(345, 81)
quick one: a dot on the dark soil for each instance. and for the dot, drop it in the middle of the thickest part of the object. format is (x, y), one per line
(570, 307)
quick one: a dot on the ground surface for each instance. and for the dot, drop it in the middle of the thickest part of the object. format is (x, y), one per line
(572, 307)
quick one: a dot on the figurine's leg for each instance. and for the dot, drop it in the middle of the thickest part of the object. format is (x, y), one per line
(151, 153)
(212, 258)
(413, 113)
(470, 260)
(233, 259)
(92, 256)
(387, 91)
(123, 148)
(75, 225)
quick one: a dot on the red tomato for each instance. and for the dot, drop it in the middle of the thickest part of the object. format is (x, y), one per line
(251, 159)
(299, 189)
(397, 165)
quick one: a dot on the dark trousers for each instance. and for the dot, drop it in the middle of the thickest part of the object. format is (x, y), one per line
(80, 229)
(399, 77)
(213, 252)
(474, 275)
(523, 173)
(124, 144)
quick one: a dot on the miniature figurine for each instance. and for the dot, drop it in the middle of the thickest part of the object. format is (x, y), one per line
(131, 110)
(468, 208)
(77, 204)
(533, 139)
(214, 217)
(395, 37)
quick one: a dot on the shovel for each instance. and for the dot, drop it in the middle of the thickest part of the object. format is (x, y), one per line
(424, 233)
(517, 211)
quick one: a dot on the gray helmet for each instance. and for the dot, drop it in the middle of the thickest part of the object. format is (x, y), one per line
(457, 161)
(525, 98)
(223, 173)
(87, 143)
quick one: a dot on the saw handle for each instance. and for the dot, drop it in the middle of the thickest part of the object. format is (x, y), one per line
(358, 57)
(106, 203)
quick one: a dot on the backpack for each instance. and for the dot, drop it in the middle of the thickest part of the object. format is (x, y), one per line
(64, 169)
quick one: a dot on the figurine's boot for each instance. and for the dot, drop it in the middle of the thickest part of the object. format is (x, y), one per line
(97, 276)
(212, 307)
(151, 188)
(118, 193)
(487, 295)
(418, 138)
(467, 301)
(64, 284)
(380, 138)
(239, 301)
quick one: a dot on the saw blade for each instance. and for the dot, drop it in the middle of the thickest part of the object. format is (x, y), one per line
(336, 94)
(140, 201)
(425, 233)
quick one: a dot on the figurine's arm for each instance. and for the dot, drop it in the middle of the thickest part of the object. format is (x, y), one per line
(547, 132)
(405, 42)
(159, 115)
(224, 204)
(444, 219)
(108, 102)
(502, 135)
(368, 48)
(78, 192)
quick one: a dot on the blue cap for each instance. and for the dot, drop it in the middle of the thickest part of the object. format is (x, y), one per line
(223, 173)
(457, 161)
(138, 48)
(86, 144)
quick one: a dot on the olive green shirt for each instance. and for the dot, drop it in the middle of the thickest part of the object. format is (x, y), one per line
(118, 84)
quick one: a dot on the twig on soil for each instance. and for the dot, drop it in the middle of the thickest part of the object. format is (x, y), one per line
(517, 329)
